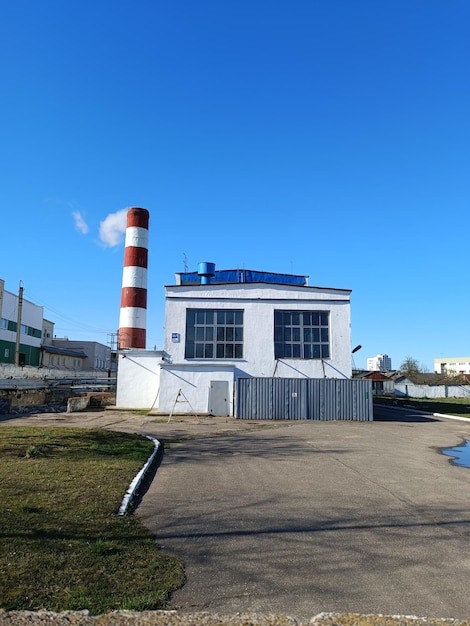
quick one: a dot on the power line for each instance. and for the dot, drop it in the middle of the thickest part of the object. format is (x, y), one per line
(67, 318)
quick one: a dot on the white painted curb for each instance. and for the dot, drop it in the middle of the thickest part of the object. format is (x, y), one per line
(452, 417)
(129, 495)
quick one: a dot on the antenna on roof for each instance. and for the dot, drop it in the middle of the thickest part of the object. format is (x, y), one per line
(185, 260)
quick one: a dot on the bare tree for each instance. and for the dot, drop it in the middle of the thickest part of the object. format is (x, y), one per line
(410, 366)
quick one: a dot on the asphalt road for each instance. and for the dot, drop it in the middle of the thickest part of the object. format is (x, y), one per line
(297, 518)
(365, 517)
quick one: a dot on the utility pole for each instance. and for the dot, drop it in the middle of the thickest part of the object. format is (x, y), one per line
(18, 325)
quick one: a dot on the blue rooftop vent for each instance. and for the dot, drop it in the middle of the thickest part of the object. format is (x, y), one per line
(206, 271)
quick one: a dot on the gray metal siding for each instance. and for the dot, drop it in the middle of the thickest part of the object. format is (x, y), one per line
(304, 398)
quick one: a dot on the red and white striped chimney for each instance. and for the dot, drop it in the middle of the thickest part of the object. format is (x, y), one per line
(133, 315)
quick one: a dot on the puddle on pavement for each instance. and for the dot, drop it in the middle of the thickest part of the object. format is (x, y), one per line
(460, 454)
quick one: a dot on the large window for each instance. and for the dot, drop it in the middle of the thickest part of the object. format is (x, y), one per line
(214, 334)
(301, 335)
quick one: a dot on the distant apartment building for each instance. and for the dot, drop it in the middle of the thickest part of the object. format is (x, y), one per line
(452, 366)
(20, 339)
(379, 363)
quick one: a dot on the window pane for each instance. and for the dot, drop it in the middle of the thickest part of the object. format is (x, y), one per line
(295, 319)
(238, 351)
(298, 334)
(190, 334)
(211, 333)
(325, 351)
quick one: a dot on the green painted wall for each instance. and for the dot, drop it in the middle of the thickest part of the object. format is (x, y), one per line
(32, 354)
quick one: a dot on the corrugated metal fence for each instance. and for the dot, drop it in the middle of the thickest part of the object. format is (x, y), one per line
(303, 399)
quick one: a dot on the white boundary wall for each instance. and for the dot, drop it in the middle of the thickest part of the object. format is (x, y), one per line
(432, 391)
(11, 371)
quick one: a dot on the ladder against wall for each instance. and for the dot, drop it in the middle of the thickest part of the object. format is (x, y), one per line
(180, 397)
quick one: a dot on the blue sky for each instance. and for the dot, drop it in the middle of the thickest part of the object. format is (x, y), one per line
(329, 138)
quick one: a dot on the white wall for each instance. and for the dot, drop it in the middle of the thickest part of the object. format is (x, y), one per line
(259, 303)
(138, 379)
(194, 382)
(31, 315)
(452, 365)
(8, 370)
(432, 391)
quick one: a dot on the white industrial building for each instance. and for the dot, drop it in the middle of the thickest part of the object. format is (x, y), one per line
(221, 326)
(379, 363)
(452, 366)
(20, 328)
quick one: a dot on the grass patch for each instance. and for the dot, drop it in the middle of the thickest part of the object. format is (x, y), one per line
(62, 545)
(449, 406)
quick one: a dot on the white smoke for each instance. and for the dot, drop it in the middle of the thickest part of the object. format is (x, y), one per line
(113, 228)
(80, 223)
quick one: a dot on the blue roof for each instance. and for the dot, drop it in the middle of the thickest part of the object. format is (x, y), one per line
(243, 276)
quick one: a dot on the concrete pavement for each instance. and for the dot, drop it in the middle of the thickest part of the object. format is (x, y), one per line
(177, 427)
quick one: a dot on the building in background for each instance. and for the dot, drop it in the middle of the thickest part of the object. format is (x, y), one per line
(221, 326)
(382, 384)
(88, 355)
(452, 366)
(62, 358)
(35, 342)
(26, 340)
(379, 363)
